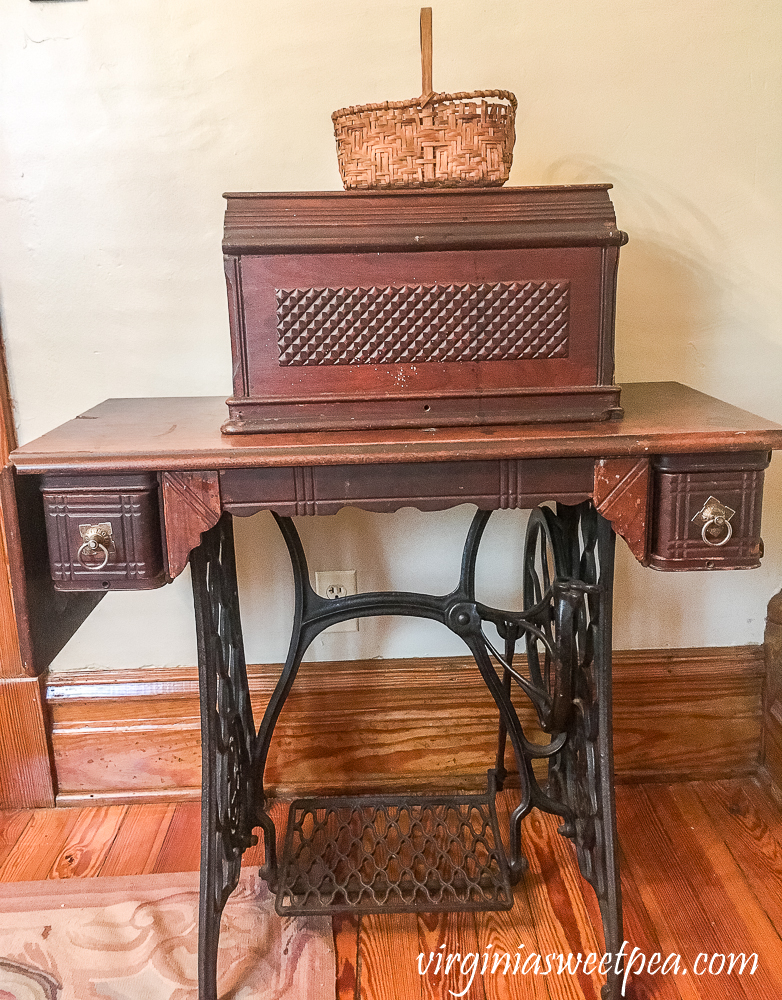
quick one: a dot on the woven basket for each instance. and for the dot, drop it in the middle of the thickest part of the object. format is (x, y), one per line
(437, 140)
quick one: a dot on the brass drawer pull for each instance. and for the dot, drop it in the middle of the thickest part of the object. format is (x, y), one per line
(97, 538)
(717, 532)
(715, 517)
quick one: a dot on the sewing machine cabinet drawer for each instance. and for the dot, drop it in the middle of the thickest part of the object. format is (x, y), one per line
(706, 511)
(104, 532)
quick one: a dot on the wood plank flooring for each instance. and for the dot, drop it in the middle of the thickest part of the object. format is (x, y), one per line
(701, 870)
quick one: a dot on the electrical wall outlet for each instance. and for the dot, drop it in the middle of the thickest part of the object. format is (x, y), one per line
(337, 583)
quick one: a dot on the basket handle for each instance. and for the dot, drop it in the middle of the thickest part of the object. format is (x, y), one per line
(426, 56)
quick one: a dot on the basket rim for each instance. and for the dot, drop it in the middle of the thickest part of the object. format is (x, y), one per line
(416, 102)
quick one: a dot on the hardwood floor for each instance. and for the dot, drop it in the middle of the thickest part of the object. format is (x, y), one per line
(702, 875)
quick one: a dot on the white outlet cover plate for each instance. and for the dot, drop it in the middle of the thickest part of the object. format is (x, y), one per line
(343, 578)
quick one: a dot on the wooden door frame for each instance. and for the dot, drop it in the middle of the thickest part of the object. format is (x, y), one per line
(26, 765)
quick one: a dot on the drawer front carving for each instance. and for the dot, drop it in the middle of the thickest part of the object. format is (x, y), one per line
(404, 324)
(104, 532)
(707, 511)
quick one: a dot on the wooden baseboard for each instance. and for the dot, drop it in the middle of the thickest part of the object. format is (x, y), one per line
(139, 796)
(375, 724)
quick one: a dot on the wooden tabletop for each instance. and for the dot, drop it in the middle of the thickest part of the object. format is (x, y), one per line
(183, 433)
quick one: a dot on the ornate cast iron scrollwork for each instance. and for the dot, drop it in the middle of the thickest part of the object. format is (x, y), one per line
(566, 627)
(576, 544)
(228, 803)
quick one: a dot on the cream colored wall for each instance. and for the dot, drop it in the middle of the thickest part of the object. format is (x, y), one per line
(124, 120)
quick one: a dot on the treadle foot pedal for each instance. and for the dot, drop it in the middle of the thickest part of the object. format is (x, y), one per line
(393, 854)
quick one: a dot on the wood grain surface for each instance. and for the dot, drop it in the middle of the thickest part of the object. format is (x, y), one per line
(191, 505)
(640, 931)
(89, 841)
(701, 871)
(557, 906)
(622, 495)
(347, 928)
(25, 763)
(306, 221)
(180, 851)
(183, 433)
(703, 904)
(40, 844)
(512, 933)
(138, 842)
(752, 832)
(12, 824)
(136, 736)
(440, 935)
(382, 939)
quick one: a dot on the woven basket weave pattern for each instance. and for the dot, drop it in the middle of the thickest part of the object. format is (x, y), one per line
(455, 140)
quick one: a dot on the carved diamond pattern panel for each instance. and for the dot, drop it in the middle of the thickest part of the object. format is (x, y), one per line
(416, 323)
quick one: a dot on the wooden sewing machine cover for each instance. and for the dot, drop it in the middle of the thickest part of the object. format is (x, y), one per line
(416, 309)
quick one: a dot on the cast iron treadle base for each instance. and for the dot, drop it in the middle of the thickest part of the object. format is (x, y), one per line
(393, 854)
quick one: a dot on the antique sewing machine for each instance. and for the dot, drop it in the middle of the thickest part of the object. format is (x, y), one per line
(390, 349)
